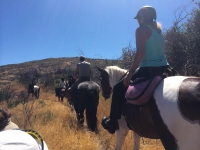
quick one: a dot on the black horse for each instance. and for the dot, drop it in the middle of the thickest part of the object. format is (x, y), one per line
(61, 94)
(85, 97)
(34, 89)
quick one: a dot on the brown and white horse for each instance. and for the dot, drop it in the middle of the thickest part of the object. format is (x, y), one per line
(172, 115)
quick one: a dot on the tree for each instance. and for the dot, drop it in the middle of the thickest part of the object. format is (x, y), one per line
(183, 43)
(127, 56)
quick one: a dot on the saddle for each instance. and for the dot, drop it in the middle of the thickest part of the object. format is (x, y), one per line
(141, 89)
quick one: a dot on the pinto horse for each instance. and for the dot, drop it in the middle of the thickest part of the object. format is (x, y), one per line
(172, 114)
(35, 90)
(85, 97)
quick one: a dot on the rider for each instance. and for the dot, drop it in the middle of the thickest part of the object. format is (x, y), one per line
(5, 120)
(83, 71)
(149, 57)
(62, 85)
(33, 83)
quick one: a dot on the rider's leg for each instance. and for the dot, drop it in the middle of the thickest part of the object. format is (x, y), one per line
(73, 87)
(118, 100)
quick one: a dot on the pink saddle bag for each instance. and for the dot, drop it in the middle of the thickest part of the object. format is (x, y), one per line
(140, 91)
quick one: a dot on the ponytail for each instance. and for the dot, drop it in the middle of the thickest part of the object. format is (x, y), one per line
(157, 26)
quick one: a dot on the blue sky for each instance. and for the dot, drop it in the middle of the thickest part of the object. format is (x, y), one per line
(40, 29)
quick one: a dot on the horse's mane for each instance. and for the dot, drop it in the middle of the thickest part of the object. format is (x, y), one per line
(115, 74)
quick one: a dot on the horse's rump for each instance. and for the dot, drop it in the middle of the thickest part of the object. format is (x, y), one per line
(87, 97)
(85, 91)
(189, 99)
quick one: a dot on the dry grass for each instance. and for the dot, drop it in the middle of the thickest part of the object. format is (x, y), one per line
(57, 124)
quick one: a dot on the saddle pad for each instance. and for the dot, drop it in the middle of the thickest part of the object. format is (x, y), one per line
(63, 89)
(140, 91)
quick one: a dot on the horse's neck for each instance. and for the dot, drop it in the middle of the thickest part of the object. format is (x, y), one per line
(115, 76)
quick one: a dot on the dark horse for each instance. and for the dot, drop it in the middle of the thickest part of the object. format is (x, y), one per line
(34, 89)
(86, 96)
(61, 94)
(172, 114)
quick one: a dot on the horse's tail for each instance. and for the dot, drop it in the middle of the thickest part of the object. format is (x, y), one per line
(92, 102)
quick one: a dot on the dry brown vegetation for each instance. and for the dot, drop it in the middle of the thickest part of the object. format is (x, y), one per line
(56, 122)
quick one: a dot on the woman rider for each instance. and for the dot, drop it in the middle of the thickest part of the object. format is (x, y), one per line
(149, 58)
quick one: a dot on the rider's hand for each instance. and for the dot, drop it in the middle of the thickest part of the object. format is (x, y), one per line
(127, 79)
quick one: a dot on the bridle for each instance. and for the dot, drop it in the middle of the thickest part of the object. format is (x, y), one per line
(123, 76)
(107, 84)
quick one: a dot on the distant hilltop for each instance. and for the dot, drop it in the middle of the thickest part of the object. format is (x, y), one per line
(10, 73)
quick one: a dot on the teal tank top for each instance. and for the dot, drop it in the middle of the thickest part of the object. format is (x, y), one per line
(154, 55)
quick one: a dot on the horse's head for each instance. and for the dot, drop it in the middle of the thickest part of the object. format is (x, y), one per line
(70, 80)
(105, 83)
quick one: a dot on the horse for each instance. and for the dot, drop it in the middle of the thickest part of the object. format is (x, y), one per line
(70, 81)
(171, 115)
(35, 90)
(61, 94)
(85, 97)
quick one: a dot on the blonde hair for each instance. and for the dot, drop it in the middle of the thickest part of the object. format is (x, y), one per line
(157, 26)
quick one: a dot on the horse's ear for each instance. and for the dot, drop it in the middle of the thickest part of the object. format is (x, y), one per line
(100, 69)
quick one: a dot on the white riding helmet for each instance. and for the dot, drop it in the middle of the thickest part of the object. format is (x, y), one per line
(148, 12)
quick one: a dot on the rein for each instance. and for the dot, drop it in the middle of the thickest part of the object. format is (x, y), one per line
(108, 84)
(123, 76)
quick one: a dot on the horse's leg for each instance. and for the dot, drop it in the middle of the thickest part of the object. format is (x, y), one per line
(136, 143)
(37, 94)
(62, 96)
(81, 116)
(121, 134)
(58, 98)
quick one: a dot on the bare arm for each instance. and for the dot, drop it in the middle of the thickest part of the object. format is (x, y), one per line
(140, 49)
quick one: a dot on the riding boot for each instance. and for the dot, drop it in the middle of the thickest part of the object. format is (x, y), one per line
(111, 123)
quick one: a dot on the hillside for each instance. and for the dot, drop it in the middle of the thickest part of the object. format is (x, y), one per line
(50, 67)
